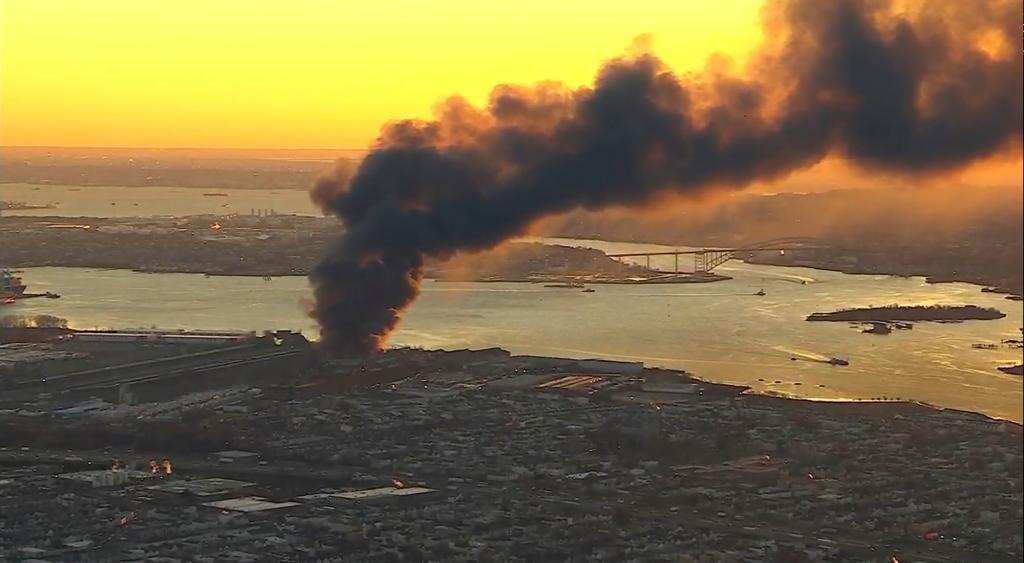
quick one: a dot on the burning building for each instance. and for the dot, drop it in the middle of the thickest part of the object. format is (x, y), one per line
(888, 86)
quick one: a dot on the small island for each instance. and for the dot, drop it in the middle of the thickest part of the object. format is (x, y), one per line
(895, 313)
(1013, 370)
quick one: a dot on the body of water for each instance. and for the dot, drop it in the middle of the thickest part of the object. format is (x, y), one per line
(120, 201)
(719, 331)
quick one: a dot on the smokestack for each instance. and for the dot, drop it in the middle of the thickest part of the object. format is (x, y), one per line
(909, 89)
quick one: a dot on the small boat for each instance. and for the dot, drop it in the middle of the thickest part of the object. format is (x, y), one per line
(567, 285)
(215, 194)
(878, 328)
(588, 290)
(838, 362)
(985, 346)
(761, 292)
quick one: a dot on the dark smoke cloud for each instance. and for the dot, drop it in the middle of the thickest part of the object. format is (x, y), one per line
(923, 91)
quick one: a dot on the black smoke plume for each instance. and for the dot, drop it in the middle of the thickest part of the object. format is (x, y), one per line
(898, 87)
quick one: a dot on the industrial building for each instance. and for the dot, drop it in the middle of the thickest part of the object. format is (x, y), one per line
(210, 489)
(104, 477)
(249, 504)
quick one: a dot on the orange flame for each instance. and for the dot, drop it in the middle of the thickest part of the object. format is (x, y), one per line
(216, 227)
(397, 484)
(892, 559)
(153, 466)
(655, 405)
(168, 468)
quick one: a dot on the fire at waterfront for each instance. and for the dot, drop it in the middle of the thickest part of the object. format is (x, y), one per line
(750, 292)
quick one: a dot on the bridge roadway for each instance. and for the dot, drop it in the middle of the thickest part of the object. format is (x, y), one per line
(707, 259)
(702, 251)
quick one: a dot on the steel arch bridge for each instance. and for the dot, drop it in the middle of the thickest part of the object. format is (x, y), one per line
(707, 259)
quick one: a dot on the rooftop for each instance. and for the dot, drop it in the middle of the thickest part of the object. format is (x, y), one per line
(235, 454)
(366, 494)
(201, 487)
(249, 504)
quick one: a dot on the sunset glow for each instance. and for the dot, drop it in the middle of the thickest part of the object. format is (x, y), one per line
(309, 73)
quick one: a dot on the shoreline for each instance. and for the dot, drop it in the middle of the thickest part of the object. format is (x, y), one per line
(899, 407)
(292, 274)
(933, 279)
(1012, 370)
(908, 314)
(22, 266)
(992, 287)
(260, 263)
(877, 407)
(560, 279)
(866, 406)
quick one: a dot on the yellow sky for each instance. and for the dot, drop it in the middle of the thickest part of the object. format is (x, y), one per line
(309, 73)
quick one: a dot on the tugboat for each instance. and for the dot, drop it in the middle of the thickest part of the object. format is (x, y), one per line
(11, 286)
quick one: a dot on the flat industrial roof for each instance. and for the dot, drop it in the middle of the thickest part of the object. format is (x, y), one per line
(572, 381)
(91, 474)
(235, 453)
(249, 504)
(381, 492)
